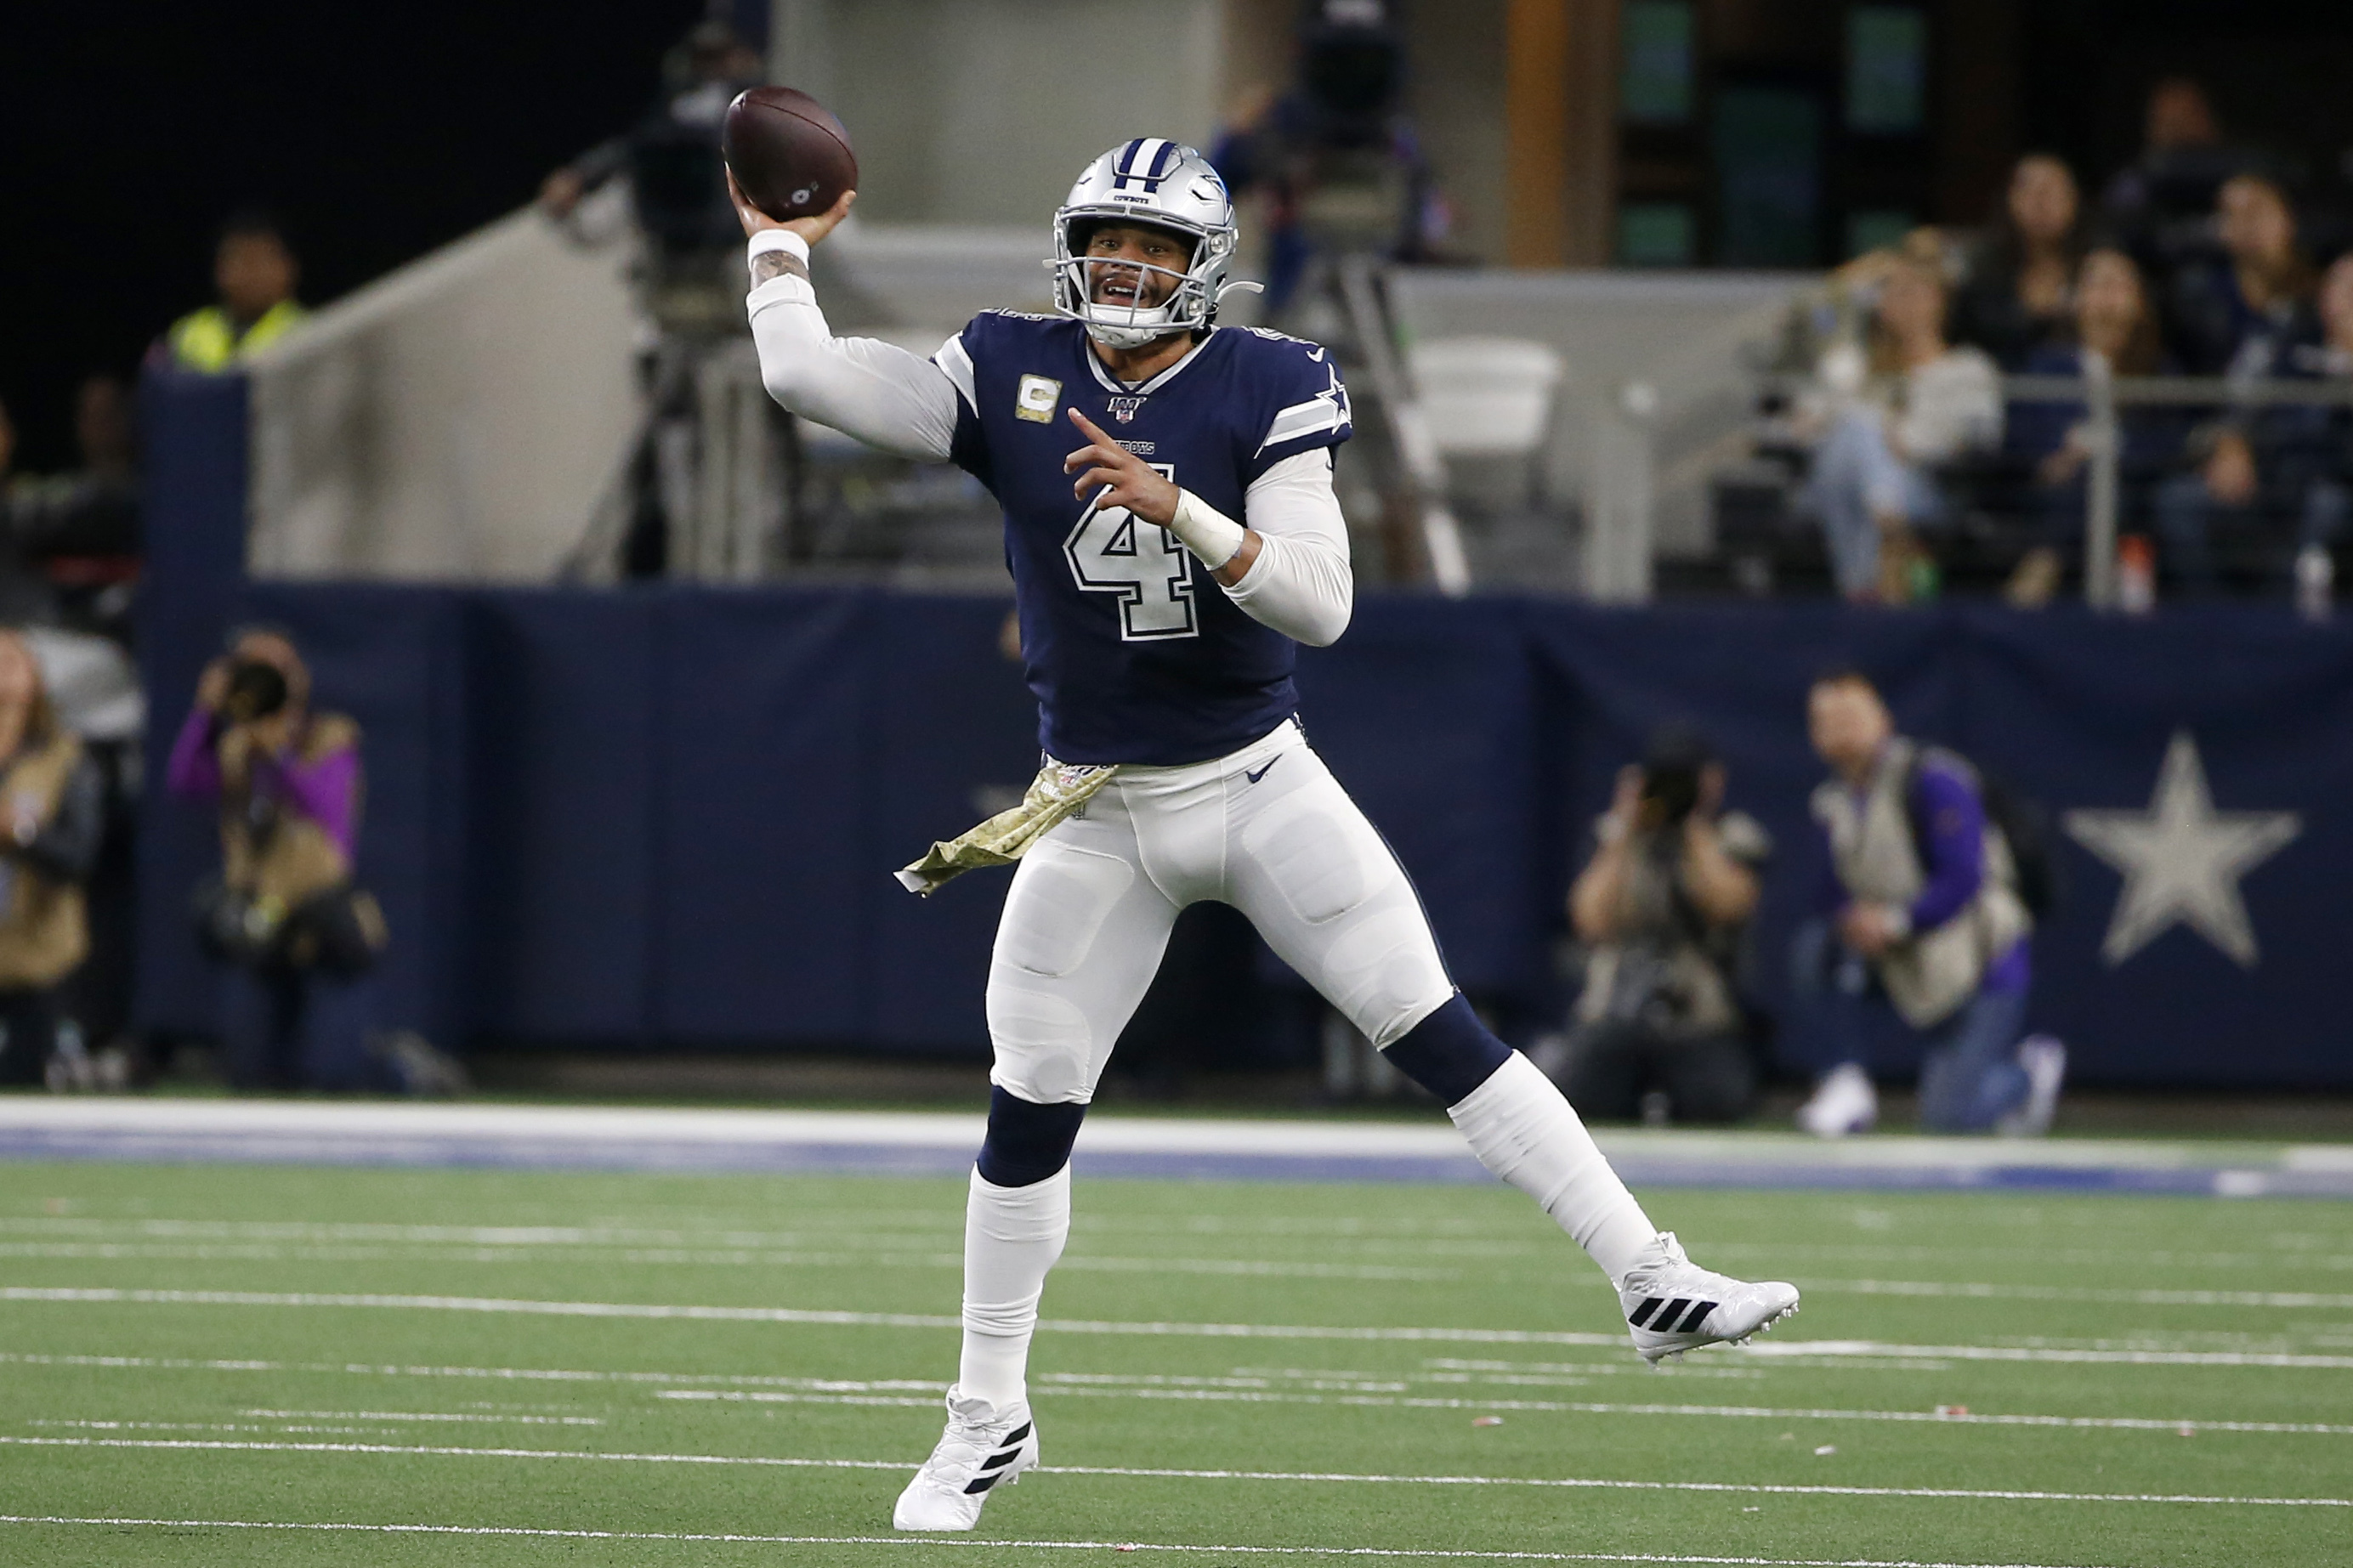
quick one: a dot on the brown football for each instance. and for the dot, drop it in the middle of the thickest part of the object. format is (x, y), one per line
(788, 152)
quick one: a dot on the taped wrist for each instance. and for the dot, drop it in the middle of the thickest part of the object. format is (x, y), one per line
(1205, 530)
(775, 253)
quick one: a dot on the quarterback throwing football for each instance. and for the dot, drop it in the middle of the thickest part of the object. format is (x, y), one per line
(1173, 534)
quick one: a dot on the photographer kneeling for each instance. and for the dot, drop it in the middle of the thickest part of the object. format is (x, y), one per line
(297, 935)
(1662, 905)
(52, 818)
(1923, 931)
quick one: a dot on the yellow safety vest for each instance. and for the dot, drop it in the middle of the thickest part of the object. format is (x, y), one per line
(207, 340)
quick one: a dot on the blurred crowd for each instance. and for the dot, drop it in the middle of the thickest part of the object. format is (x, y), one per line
(2196, 260)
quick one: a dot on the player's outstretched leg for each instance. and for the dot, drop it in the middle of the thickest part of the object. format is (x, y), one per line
(1017, 1218)
(1525, 1131)
(1331, 900)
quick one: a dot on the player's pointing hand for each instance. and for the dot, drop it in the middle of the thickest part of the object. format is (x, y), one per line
(1117, 477)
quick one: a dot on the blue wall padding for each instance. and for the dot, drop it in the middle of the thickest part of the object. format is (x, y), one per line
(668, 816)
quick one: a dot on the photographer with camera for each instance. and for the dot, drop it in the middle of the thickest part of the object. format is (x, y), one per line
(295, 934)
(1924, 931)
(1662, 907)
(52, 820)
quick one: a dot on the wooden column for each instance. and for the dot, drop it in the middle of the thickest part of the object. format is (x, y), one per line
(1593, 55)
(1536, 132)
(1974, 53)
(1560, 127)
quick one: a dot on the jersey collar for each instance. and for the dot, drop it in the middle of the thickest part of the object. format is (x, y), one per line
(1112, 383)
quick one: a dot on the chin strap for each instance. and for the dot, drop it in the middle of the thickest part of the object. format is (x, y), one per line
(1239, 286)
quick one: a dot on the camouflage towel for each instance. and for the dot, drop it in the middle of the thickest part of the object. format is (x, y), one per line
(1060, 789)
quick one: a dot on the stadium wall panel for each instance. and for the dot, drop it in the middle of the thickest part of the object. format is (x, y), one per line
(667, 817)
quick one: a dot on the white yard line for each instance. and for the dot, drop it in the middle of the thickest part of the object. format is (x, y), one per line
(1144, 1473)
(987, 1545)
(923, 1393)
(484, 1252)
(874, 1395)
(263, 1252)
(1784, 1348)
(2158, 1298)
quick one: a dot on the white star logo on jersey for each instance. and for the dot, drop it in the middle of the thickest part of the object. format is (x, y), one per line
(2181, 859)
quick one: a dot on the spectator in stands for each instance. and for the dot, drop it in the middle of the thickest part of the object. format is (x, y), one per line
(691, 283)
(2112, 318)
(80, 529)
(295, 934)
(2328, 495)
(1334, 156)
(1663, 907)
(2250, 318)
(2013, 296)
(2160, 206)
(23, 596)
(1921, 929)
(677, 180)
(1887, 422)
(254, 274)
(52, 818)
(2254, 291)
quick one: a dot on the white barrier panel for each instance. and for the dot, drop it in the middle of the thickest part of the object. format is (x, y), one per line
(457, 419)
(1657, 394)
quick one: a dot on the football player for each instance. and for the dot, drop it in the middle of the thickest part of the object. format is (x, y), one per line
(1173, 534)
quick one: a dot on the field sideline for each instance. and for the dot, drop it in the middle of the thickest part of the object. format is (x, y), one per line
(289, 1363)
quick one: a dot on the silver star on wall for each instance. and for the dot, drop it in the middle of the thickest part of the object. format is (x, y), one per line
(2181, 859)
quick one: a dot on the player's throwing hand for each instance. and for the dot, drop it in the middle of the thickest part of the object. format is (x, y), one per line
(811, 229)
(1117, 477)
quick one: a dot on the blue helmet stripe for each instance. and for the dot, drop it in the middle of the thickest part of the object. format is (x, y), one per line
(1146, 161)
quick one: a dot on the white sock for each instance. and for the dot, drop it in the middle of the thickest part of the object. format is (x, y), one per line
(1012, 1235)
(1523, 1130)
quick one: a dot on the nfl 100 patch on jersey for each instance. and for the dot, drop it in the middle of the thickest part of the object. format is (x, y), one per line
(1134, 653)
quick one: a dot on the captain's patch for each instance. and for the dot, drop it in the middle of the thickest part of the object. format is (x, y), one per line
(1036, 398)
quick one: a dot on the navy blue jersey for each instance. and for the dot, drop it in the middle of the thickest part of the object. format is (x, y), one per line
(1134, 652)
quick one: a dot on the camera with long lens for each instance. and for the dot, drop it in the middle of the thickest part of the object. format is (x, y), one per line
(1672, 767)
(255, 690)
(1672, 792)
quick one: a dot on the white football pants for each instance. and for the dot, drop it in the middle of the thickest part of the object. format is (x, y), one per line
(1268, 830)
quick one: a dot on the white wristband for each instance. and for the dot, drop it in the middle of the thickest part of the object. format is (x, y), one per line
(773, 241)
(1205, 530)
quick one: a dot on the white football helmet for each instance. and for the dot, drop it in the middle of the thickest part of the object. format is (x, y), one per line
(1150, 180)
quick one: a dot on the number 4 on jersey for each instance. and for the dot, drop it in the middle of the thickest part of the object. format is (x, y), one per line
(1112, 551)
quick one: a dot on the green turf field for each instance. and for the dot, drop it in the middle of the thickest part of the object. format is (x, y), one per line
(1231, 1373)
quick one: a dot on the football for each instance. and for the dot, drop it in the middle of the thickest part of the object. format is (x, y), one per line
(787, 152)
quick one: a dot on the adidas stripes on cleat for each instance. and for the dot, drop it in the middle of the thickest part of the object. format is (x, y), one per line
(1673, 1305)
(981, 1449)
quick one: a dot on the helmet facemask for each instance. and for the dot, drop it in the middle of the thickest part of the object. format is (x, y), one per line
(1187, 305)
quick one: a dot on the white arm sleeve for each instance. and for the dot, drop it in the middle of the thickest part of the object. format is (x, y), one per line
(1301, 583)
(875, 391)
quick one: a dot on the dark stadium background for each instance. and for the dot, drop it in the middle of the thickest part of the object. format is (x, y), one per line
(378, 133)
(375, 132)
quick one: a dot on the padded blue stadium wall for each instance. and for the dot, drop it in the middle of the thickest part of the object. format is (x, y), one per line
(666, 817)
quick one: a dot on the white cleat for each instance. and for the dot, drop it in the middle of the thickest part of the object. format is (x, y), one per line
(981, 1449)
(1843, 1103)
(1673, 1305)
(2045, 1062)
